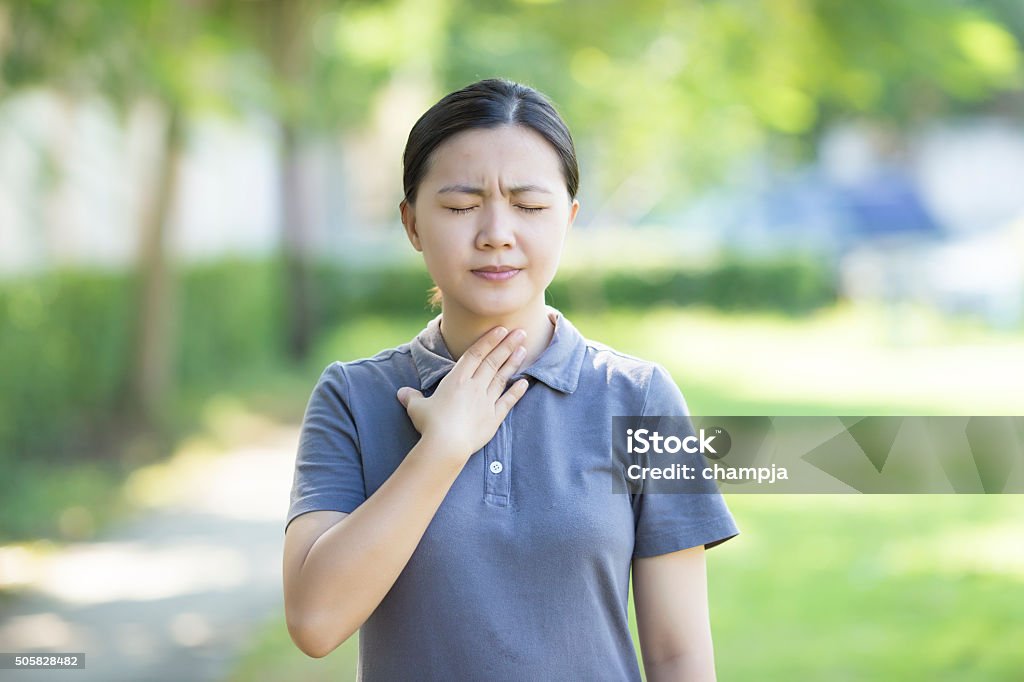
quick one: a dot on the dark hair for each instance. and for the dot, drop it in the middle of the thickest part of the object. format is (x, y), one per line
(486, 104)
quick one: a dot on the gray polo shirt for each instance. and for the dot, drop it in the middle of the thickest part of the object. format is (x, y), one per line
(523, 573)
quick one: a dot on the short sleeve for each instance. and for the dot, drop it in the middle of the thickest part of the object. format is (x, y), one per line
(668, 522)
(328, 466)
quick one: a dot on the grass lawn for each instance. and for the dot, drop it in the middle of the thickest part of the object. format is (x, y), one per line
(56, 499)
(816, 587)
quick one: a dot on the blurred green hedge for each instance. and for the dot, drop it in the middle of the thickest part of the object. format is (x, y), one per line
(793, 287)
(67, 337)
(68, 351)
(65, 344)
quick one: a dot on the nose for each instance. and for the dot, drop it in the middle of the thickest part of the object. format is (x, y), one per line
(496, 229)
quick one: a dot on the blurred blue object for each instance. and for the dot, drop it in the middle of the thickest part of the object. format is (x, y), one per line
(877, 235)
(809, 213)
(887, 203)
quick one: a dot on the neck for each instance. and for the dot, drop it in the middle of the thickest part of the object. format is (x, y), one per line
(460, 329)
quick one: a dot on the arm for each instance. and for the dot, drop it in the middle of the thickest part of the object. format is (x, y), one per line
(338, 568)
(671, 597)
(335, 577)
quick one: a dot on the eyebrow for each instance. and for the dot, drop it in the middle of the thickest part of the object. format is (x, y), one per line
(470, 189)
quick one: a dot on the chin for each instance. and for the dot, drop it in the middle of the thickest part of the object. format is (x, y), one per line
(496, 306)
(495, 310)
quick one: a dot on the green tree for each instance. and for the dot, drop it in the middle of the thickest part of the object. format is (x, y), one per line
(158, 54)
(324, 62)
(666, 95)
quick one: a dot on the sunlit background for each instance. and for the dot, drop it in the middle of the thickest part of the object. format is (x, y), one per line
(797, 206)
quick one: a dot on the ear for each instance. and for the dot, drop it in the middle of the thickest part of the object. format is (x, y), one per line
(573, 210)
(409, 221)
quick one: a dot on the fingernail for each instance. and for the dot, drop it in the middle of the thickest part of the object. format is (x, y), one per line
(501, 331)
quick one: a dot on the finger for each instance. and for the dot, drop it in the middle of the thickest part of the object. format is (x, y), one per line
(406, 395)
(471, 359)
(507, 401)
(494, 361)
(513, 363)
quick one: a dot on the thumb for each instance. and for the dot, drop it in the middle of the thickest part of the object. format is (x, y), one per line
(406, 395)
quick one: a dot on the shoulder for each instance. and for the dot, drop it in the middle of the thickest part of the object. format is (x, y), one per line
(607, 359)
(388, 367)
(624, 372)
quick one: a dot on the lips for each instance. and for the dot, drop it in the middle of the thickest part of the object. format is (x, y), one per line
(497, 273)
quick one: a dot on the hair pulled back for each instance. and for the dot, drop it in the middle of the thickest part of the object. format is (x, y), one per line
(486, 104)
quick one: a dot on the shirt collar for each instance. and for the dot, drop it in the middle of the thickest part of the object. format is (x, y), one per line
(558, 366)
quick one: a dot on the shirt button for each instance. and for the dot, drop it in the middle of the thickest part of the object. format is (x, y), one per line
(496, 467)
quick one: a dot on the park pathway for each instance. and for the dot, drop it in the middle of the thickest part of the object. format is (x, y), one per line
(175, 593)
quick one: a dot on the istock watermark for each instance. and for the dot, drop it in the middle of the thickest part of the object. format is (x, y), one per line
(642, 441)
(700, 454)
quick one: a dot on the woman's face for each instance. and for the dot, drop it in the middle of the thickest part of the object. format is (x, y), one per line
(490, 218)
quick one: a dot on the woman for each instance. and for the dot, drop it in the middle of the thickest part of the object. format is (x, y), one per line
(453, 496)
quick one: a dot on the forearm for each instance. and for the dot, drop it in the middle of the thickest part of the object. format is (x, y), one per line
(353, 565)
(684, 668)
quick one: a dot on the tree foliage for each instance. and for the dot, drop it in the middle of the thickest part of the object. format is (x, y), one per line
(672, 91)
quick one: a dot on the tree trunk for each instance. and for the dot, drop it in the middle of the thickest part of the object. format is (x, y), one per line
(156, 338)
(289, 22)
(295, 230)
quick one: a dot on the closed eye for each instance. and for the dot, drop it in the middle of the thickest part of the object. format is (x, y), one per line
(524, 209)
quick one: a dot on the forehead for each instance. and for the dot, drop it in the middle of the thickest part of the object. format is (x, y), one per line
(510, 153)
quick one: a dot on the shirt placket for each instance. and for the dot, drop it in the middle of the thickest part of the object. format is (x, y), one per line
(497, 466)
